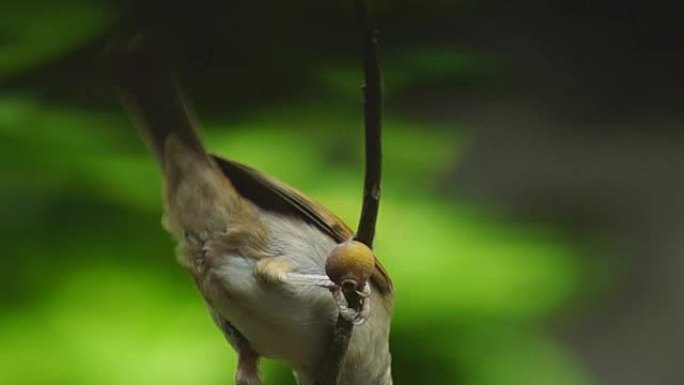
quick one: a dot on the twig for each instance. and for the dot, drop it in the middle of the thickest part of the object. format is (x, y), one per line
(372, 103)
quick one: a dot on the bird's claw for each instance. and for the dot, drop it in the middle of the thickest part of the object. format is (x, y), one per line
(365, 292)
(350, 315)
(356, 317)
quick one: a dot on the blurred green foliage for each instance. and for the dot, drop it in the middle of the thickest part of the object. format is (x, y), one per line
(101, 300)
(35, 31)
(90, 289)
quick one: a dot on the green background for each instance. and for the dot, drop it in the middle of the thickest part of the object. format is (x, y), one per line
(91, 293)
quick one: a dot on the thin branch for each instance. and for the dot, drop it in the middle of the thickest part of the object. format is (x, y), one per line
(372, 107)
(372, 103)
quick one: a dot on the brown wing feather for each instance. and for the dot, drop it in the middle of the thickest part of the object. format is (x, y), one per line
(271, 194)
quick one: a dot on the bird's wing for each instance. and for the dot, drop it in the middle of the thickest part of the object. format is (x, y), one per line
(271, 194)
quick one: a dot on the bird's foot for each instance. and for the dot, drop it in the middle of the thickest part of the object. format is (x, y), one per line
(357, 317)
(247, 372)
(246, 378)
(277, 270)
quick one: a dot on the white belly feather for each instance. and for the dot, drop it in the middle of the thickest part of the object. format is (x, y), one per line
(280, 321)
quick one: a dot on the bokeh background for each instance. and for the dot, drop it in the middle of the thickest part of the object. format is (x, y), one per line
(533, 210)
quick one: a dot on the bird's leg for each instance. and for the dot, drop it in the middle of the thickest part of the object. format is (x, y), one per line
(320, 280)
(278, 270)
(357, 317)
(247, 371)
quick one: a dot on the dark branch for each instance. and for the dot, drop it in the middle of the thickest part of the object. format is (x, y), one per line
(372, 106)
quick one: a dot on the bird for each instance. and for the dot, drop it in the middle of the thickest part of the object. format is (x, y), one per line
(255, 247)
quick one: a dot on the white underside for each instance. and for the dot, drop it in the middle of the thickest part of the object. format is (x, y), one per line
(281, 321)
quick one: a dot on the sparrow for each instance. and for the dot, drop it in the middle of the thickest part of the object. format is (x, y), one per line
(255, 247)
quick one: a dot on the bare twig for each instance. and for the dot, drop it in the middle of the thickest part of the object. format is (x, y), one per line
(372, 103)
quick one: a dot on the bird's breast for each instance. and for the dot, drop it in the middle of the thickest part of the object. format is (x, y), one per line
(280, 320)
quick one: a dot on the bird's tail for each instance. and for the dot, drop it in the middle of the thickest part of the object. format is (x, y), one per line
(153, 98)
(198, 195)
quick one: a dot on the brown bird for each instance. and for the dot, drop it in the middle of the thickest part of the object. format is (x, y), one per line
(255, 247)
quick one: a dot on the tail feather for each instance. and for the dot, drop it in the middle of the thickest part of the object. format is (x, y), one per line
(198, 196)
(161, 113)
(154, 99)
